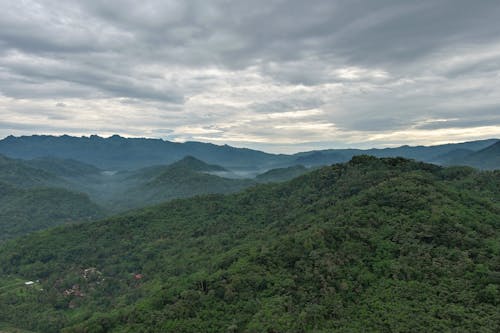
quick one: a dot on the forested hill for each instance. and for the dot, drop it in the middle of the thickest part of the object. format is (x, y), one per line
(373, 245)
(27, 210)
(20, 174)
(182, 179)
(33, 198)
(488, 158)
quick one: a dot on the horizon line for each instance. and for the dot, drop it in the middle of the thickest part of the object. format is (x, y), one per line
(90, 136)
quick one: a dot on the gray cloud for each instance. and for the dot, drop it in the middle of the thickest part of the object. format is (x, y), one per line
(265, 74)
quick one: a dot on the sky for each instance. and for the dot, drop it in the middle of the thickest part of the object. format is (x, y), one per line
(276, 75)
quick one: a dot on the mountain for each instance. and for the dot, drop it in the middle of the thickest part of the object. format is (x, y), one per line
(193, 164)
(433, 154)
(428, 153)
(63, 167)
(281, 174)
(487, 158)
(318, 158)
(373, 245)
(185, 178)
(19, 173)
(26, 210)
(118, 153)
(33, 198)
(454, 157)
(124, 190)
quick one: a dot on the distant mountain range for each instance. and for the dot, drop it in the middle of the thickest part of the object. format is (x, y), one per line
(118, 153)
(447, 154)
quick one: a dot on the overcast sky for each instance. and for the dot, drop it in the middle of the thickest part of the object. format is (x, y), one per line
(277, 75)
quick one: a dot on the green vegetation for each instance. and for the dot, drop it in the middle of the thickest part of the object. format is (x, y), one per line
(17, 173)
(26, 210)
(32, 199)
(281, 174)
(488, 158)
(185, 178)
(373, 245)
(4, 328)
(63, 167)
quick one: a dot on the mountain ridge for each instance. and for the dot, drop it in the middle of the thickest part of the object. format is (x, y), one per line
(119, 153)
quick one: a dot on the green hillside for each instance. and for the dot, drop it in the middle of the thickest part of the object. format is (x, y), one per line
(27, 210)
(63, 167)
(185, 178)
(373, 245)
(488, 158)
(18, 173)
(281, 174)
(33, 198)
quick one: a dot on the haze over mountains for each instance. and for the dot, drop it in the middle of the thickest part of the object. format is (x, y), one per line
(128, 175)
(118, 153)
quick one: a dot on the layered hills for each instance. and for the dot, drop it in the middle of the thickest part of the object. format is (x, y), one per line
(379, 245)
(44, 192)
(26, 210)
(487, 158)
(117, 153)
(185, 178)
(32, 199)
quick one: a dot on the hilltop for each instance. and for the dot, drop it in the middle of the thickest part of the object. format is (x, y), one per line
(187, 177)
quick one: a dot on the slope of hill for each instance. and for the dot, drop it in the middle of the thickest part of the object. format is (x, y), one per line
(281, 174)
(32, 198)
(193, 164)
(377, 245)
(26, 210)
(487, 158)
(432, 154)
(63, 167)
(454, 157)
(185, 178)
(318, 158)
(18, 173)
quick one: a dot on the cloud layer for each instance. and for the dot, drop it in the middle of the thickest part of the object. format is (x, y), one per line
(276, 75)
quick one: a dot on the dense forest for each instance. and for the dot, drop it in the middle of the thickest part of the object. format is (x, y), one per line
(26, 210)
(377, 245)
(33, 198)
